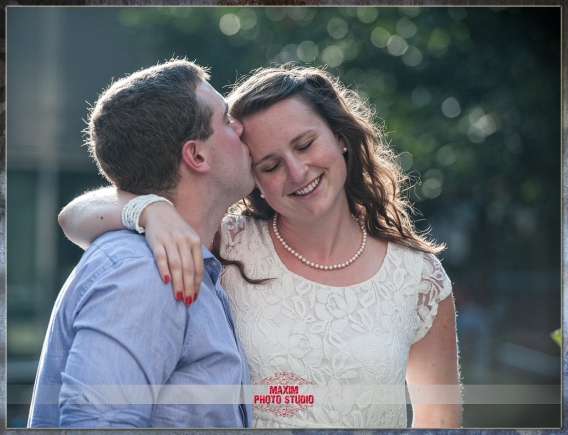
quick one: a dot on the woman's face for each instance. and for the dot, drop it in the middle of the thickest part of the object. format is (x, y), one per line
(298, 162)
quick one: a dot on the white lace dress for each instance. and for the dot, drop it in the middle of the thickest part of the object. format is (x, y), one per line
(348, 345)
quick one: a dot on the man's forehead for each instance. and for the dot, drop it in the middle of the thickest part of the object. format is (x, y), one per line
(210, 96)
(208, 93)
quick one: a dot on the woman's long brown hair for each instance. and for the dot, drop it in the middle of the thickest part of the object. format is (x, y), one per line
(375, 183)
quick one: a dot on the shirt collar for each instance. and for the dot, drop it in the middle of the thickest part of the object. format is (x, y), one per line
(212, 265)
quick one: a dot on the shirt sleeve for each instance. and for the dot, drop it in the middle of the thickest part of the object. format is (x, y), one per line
(433, 288)
(129, 339)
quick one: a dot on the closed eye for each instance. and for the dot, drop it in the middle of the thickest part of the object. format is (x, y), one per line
(275, 166)
(272, 168)
(305, 147)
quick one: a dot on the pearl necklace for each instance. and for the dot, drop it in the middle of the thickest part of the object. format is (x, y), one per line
(312, 264)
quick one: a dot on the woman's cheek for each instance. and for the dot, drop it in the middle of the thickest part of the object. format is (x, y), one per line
(255, 175)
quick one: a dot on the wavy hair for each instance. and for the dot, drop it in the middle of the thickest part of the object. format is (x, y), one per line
(375, 183)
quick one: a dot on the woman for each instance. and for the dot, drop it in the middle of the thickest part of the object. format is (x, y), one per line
(352, 300)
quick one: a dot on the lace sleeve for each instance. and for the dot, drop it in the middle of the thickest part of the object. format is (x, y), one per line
(231, 227)
(434, 287)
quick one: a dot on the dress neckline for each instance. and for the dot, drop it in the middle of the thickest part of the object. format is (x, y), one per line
(273, 252)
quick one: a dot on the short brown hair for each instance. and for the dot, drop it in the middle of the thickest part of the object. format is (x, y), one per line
(374, 177)
(139, 123)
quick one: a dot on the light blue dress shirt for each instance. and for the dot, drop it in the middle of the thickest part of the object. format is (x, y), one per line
(121, 352)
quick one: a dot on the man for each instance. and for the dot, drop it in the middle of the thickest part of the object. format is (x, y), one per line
(120, 352)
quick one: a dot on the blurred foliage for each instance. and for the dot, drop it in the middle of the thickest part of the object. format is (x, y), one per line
(470, 98)
(557, 337)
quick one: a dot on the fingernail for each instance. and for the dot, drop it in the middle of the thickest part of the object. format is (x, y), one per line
(167, 278)
(188, 300)
(195, 298)
(179, 296)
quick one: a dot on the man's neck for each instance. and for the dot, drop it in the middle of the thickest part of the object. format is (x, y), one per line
(202, 214)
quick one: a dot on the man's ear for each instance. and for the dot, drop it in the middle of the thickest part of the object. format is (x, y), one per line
(193, 156)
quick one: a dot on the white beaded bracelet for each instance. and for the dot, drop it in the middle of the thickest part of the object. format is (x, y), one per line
(134, 208)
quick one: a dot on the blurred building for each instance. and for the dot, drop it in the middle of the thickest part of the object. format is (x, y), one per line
(52, 76)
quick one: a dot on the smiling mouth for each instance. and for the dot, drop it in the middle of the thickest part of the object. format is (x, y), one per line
(308, 188)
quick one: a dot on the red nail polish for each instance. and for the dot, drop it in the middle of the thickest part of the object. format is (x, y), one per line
(167, 278)
(195, 298)
(188, 300)
(179, 296)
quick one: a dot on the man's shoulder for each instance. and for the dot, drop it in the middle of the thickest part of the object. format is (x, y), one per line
(120, 245)
(120, 264)
(116, 250)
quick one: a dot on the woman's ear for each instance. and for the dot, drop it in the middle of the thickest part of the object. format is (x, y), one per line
(192, 154)
(341, 143)
(260, 191)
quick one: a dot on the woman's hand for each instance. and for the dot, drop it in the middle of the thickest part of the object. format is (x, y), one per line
(176, 247)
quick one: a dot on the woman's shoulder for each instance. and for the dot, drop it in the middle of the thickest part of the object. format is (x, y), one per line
(426, 262)
(232, 222)
(235, 223)
(425, 268)
(433, 269)
(434, 287)
(236, 229)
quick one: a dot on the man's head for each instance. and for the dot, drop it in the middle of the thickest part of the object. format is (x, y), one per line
(138, 126)
(223, 156)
